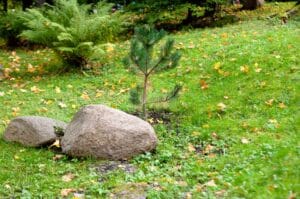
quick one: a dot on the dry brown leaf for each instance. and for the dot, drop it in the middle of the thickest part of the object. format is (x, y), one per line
(208, 149)
(57, 157)
(203, 85)
(292, 196)
(35, 89)
(269, 102)
(211, 183)
(212, 155)
(68, 177)
(214, 135)
(188, 195)
(281, 105)
(66, 192)
(37, 78)
(30, 68)
(220, 193)
(85, 96)
(181, 183)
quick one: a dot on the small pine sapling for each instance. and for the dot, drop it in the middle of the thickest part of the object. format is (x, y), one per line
(141, 60)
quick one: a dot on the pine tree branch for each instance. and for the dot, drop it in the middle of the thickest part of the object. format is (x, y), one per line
(172, 95)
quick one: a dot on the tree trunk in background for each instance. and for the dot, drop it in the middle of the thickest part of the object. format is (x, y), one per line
(189, 17)
(4, 5)
(252, 4)
(26, 4)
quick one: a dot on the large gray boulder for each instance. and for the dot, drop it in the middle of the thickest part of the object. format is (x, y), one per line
(106, 133)
(33, 130)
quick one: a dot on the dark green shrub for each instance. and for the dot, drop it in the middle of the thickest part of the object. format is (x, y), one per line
(75, 32)
(11, 25)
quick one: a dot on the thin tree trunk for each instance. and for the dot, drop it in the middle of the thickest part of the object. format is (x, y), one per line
(5, 5)
(144, 98)
(26, 4)
(252, 4)
(189, 17)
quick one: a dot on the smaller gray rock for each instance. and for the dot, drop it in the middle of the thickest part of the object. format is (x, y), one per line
(33, 130)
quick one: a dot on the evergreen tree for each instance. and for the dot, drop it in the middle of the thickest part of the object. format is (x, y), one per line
(141, 60)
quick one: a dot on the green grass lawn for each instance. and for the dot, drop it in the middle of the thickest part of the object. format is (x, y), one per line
(249, 149)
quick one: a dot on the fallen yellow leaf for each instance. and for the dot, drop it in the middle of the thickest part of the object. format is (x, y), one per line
(57, 90)
(221, 106)
(55, 144)
(35, 89)
(195, 133)
(244, 69)
(15, 111)
(43, 110)
(217, 65)
(85, 96)
(99, 94)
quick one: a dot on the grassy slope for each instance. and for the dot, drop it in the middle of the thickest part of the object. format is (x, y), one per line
(265, 167)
